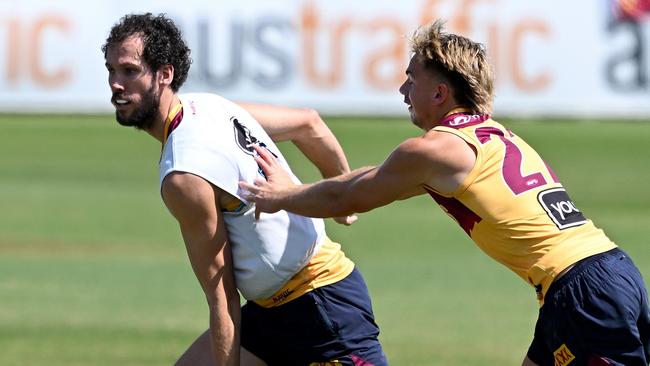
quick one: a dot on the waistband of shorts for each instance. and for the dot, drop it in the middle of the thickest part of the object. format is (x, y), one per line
(329, 265)
(580, 266)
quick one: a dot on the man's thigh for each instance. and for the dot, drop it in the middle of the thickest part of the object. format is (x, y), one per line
(199, 353)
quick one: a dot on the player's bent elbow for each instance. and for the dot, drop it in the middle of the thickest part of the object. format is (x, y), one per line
(313, 124)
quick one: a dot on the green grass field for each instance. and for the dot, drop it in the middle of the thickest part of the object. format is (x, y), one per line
(93, 270)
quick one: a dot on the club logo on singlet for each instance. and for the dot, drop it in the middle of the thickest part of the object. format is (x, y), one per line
(460, 120)
(560, 208)
(246, 141)
(243, 136)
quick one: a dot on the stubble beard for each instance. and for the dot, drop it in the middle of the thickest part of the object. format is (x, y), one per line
(142, 118)
(413, 117)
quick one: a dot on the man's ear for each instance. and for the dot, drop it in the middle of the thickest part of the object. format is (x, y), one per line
(441, 93)
(165, 74)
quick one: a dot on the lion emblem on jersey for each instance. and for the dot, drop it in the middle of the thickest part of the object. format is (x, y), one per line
(245, 140)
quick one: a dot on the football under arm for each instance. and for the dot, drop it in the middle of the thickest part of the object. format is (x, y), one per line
(192, 201)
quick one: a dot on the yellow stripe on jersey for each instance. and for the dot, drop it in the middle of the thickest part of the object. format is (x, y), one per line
(170, 117)
(328, 266)
(514, 208)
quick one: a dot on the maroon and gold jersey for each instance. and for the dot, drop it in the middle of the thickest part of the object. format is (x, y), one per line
(514, 207)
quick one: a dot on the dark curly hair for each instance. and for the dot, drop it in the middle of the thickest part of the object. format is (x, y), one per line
(163, 43)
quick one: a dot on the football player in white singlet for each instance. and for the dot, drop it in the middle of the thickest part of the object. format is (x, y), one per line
(306, 302)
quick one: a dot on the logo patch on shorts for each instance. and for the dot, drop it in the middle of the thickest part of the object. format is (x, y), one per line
(560, 208)
(563, 356)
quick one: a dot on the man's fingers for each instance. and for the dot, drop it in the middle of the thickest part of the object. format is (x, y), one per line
(346, 220)
(249, 188)
(254, 188)
(265, 160)
(351, 219)
(265, 154)
(266, 168)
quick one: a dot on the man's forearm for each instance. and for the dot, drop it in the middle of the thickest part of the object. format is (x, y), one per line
(327, 198)
(224, 328)
(225, 346)
(326, 154)
(317, 142)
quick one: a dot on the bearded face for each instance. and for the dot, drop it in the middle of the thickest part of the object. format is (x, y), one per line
(135, 95)
(142, 114)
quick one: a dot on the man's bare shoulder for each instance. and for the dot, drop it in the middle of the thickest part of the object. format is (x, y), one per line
(188, 194)
(181, 183)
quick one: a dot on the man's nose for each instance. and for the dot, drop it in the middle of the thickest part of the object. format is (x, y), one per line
(115, 84)
(402, 88)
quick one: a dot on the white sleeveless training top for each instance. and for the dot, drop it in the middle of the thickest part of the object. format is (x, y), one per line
(214, 141)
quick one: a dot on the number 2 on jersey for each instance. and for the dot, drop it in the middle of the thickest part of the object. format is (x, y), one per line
(512, 161)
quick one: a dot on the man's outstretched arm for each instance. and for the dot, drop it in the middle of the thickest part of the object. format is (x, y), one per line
(358, 191)
(438, 160)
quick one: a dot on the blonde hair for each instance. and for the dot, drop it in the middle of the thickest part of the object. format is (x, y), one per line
(461, 61)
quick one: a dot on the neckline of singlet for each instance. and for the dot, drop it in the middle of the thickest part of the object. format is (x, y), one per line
(174, 119)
